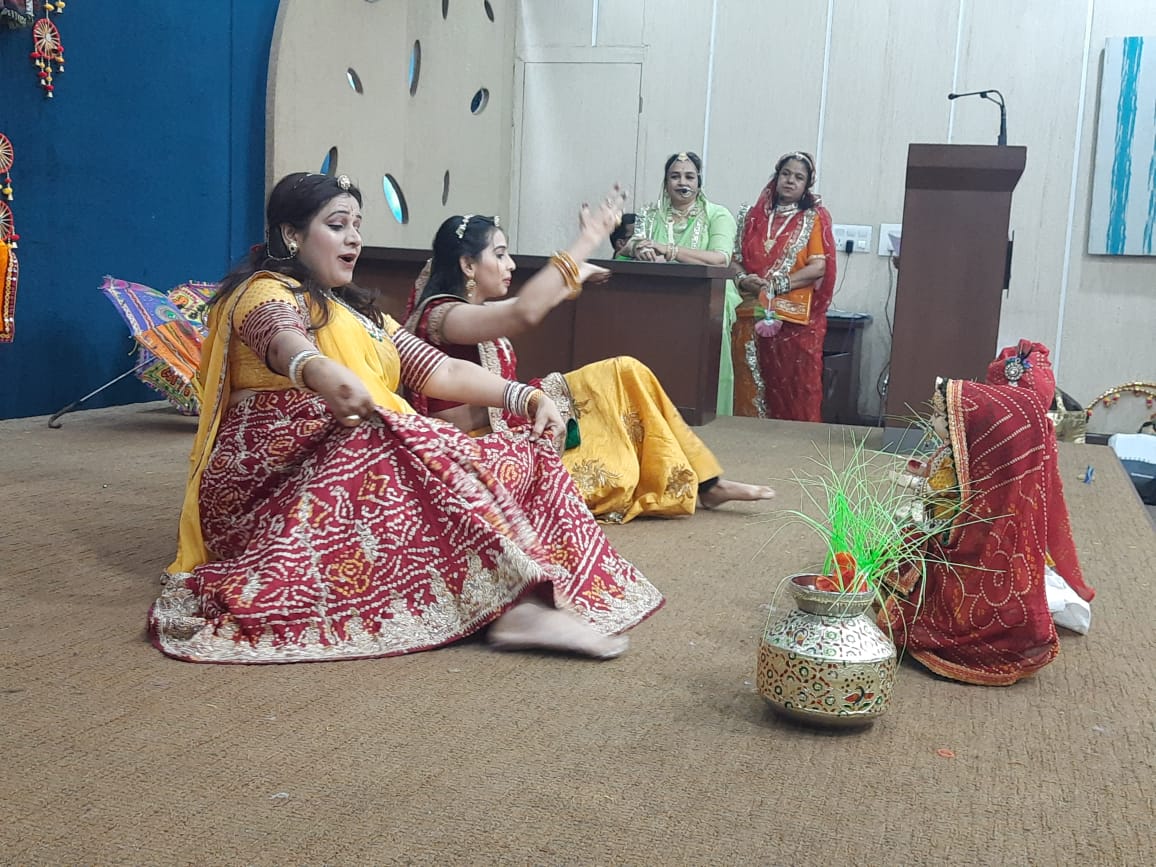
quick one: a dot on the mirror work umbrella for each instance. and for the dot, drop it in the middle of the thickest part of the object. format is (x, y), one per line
(168, 328)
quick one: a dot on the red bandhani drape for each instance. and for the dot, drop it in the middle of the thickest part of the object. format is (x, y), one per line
(1025, 365)
(395, 536)
(980, 615)
(791, 361)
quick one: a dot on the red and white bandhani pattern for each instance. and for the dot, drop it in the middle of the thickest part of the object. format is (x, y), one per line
(980, 614)
(395, 536)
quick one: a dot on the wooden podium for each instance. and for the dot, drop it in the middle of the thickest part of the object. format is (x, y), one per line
(668, 316)
(953, 262)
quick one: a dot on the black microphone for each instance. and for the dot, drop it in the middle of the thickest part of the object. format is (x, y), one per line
(986, 94)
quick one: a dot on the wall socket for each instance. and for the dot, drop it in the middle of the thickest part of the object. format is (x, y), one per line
(886, 230)
(860, 235)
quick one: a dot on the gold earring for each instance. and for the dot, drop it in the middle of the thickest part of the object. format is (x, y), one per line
(471, 285)
(292, 247)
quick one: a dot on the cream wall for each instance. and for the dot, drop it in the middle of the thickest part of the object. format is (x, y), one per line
(417, 138)
(586, 92)
(855, 81)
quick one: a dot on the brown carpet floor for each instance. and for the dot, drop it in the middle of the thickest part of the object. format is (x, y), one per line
(113, 753)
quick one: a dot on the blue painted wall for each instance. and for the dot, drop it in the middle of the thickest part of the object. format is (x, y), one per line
(148, 165)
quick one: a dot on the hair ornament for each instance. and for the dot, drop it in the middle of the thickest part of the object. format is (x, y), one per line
(343, 182)
(683, 156)
(461, 230)
(801, 157)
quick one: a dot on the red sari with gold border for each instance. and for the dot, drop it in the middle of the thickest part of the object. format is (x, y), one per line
(781, 376)
(980, 614)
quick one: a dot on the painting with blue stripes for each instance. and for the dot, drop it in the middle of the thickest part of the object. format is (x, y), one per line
(1123, 221)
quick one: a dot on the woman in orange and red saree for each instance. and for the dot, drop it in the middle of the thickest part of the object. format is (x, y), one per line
(628, 448)
(980, 612)
(786, 259)
(324, 519)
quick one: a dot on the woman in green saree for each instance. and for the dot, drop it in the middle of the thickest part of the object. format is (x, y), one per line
(683, 226)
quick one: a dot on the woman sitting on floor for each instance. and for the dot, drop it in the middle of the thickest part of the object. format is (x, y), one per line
(980, 614)
(325, 520)
(627, 448)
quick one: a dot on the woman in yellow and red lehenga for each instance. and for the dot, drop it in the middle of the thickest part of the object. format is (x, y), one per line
(628, 449)
(980, 613)
(324, 519)
(785, 244)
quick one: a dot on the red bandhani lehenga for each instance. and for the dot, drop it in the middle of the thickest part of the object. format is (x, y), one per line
(781, 376)
(305, 540)
(980, 614)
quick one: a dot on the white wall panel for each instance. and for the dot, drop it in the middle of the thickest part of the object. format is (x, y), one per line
(883, 93)
(767, 78)
(1035, 61)
(889, 67)
(1110, 315)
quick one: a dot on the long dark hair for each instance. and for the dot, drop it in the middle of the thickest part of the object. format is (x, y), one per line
(458, 236)
(807, 200)
(296, 199)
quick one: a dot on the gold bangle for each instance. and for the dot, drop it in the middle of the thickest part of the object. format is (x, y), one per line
(568, 268)
(532, 404)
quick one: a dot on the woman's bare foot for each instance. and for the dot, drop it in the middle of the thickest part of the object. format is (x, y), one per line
(535, 625)
(724, 490)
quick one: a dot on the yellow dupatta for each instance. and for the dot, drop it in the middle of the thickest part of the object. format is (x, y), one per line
(344, 338)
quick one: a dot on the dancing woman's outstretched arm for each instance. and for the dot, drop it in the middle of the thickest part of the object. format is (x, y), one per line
(475, 323)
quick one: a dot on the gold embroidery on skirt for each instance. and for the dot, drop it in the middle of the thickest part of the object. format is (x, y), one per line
(591, 475)
(681, 482)
(633, 422)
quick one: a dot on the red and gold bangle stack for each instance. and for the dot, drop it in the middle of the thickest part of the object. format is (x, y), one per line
(568, 268)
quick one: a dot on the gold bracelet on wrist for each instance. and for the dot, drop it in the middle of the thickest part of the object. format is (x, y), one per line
(568, 268)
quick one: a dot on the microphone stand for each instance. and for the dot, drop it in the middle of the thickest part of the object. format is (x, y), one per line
(987, 94)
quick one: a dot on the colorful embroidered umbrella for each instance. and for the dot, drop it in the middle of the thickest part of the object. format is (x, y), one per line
(169, 329)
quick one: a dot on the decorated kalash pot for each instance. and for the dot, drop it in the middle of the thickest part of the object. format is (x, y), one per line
(827, 662)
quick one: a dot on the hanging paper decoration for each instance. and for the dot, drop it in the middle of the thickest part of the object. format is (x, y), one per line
(9, 267)
(7, 155)
(7, 224)
(47, 49)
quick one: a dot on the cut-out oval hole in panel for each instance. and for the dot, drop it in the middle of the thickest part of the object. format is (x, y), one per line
(414, 66)
(489, 10)
(446, 187)
(395, 198)
(329, 164)
(445, 9)
(354, 80)
(480, 101)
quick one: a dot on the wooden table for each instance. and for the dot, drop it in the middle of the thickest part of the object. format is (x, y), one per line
(668, 316)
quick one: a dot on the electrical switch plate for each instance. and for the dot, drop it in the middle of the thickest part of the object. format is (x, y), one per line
(886, 230)
(860, 235)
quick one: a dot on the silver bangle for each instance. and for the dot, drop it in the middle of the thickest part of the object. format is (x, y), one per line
(297, 364)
